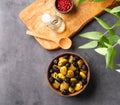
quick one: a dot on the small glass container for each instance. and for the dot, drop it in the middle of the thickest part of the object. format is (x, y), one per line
(54, 22)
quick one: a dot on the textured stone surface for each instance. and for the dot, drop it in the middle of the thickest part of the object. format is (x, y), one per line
(23, 65)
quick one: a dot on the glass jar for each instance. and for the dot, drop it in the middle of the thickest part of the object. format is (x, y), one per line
(54, 22)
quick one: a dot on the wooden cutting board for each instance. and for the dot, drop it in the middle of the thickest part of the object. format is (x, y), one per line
(75, 20)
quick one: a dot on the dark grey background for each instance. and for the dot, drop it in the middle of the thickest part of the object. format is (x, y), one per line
(23, 65)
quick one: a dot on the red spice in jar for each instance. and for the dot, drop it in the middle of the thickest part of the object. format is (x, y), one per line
(63, 5)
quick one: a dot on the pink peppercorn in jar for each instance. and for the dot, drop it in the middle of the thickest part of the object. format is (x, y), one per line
(64, 6)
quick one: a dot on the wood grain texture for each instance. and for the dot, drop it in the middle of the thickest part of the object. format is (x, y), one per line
(75, 20)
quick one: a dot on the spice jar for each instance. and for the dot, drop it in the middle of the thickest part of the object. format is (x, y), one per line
(53, 22)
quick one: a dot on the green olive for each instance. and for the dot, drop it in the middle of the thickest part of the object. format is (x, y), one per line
(54, 75)
(61, 76)
(63, 70)
(71, 59)
(61, 58)
(84, 71)
(56, 84)
(62, 62)
(71, 90)
(73, 80)
(72, 67)
(78, 86)
(64, 86)
(70, 74)
(83, 75)
(80, 62)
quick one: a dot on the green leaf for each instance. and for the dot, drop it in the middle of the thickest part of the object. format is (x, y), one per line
(101, 51)
(111, 33)
(117, 15)
(118, 70)
(79, 2)
(107, 44)
(114, 38)
(117, 23)
(88, 45)
(92, 35)
(97, 0)
(102, 23)
(107, 10)
(118, 41)
(118, 65)
(116, 9)
(103, 40)
(110, 55)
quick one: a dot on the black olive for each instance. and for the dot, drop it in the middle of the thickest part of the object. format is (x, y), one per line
(73, 84)
(67, 64)
(76, 58)
(51, 71)
(59, 80)
(78, 77)
(51, 79)
(75, 64)
(66, 56)
(84, 81)
(76, 72)
(84, 67)
(56, 69)
(55, 61)
(64, 92)
(67, 80)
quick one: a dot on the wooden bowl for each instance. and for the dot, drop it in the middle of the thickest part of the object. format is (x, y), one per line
(60, 9)
(49, 73)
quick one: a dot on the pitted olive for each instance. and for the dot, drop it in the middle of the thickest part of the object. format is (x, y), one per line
(63, 70)
(56, 84)
(62, 62)
(61, 76)
(80, 62)
(73, 80)
(64, 86)
(84, 71)
(83, 75)
(71, 90)
(54, 75)
(78, 86)
(71, 59)
(72, 67)
(70, 74)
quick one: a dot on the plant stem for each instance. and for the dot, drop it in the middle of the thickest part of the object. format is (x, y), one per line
(108, 30)
(115, 44)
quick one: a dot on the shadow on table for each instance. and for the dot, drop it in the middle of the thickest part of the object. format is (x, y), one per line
(89, 92)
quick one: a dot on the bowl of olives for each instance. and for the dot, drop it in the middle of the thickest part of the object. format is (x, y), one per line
(68, 74)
